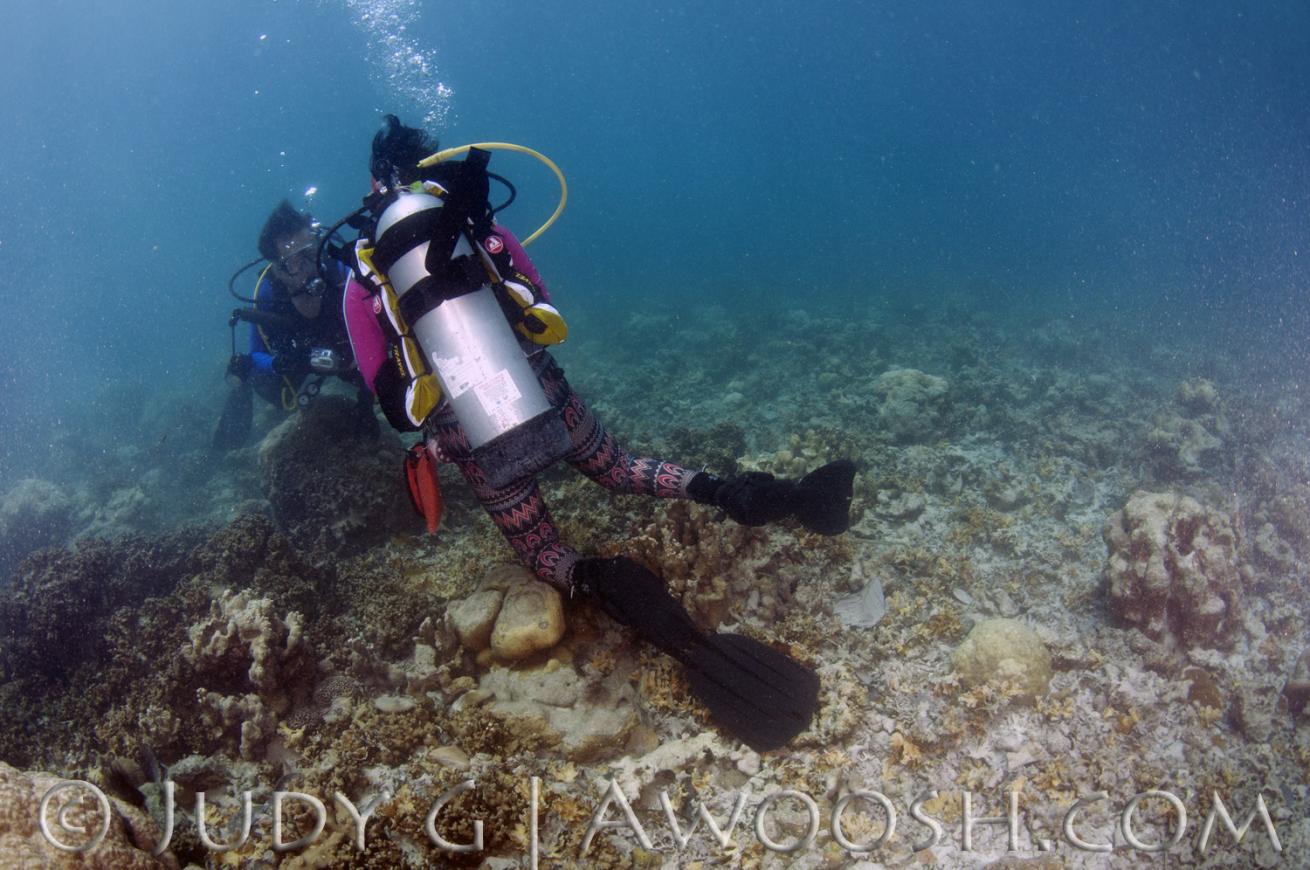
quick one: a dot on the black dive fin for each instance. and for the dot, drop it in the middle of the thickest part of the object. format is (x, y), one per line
(753, 692)
(822, 498)
(234, 424)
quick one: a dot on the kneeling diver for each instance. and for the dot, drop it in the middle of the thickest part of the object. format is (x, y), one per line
(297, 332)
(449, 320)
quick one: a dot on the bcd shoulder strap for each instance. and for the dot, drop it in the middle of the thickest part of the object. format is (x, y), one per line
(405, 386)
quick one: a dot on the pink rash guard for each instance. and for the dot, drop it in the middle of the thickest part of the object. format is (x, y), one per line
(366, 336)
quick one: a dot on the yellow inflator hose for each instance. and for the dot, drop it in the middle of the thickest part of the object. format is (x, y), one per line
(288, 393)
(433, 159)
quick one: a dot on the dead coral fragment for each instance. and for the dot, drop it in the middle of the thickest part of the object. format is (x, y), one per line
(1297, 690)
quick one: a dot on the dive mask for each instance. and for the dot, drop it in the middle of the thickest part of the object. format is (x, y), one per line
(300, 265)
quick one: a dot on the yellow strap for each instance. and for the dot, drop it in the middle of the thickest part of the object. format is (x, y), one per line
(433, 159)
(412, 355)
(422, 396)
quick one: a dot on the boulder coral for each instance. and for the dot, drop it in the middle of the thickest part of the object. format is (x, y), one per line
(512, 612)
(1172, 570)
(1005, 653)
(913, 405)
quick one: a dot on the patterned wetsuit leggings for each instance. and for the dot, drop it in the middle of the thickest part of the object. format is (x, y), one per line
(519, 510)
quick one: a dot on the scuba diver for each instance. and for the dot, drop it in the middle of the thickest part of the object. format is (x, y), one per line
(450, 320)
(297, 332)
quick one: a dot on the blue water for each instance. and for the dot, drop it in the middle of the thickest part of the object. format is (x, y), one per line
(1147, 159)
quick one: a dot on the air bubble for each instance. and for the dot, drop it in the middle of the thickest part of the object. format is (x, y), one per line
(404, 69)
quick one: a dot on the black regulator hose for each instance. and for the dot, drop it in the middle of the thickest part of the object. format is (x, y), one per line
(512, 193)
(319, 265)
(231, 282)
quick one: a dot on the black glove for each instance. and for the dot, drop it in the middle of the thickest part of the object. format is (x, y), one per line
(239, 366)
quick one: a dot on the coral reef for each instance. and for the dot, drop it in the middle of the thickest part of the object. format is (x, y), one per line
(33, 514)
(55, 616)
(716, 566)
(125, 511)
(1281, 531)
(121, 676)
(718, 448)
(332, 489)
(804, 452)
(250, 664)
(1173, 570)
(292, 654)
(130, 839)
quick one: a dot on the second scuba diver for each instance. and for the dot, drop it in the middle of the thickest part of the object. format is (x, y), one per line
(298, 335)
(449, 321)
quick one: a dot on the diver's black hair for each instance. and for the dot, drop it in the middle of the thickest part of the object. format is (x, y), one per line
(397, 149)
(282, 224)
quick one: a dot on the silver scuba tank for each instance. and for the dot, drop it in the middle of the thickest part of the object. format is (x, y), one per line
(471, 348)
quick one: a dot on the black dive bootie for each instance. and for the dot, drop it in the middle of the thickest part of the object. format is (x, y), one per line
(821, 500)
(755, 693)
